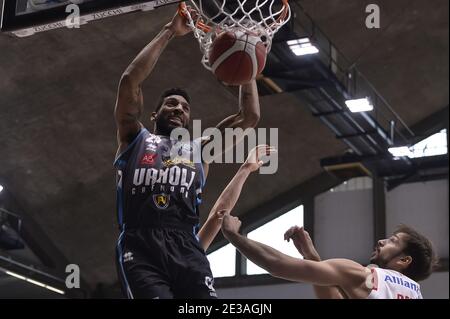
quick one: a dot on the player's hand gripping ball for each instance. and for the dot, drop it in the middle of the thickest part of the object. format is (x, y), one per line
(237, 57)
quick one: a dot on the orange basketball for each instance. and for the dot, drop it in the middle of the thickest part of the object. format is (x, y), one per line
(237, 57)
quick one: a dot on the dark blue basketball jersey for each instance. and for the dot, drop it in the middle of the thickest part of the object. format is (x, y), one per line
(159, 182)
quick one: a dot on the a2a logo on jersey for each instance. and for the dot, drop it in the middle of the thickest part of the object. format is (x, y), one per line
(148, 159)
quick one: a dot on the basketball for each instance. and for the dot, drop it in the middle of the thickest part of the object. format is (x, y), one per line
(237, 57)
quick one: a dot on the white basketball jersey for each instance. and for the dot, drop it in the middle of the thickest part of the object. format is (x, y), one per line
(390, 284)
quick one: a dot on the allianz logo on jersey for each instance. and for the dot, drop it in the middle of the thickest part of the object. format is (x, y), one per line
(399, 281)
(169, 179)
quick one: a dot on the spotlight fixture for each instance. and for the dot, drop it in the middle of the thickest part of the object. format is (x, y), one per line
(359, 105)
(31, 281)
(302, 46)
(400, 151)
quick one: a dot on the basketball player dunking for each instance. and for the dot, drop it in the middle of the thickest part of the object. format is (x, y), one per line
(159, 252)
(399, 261)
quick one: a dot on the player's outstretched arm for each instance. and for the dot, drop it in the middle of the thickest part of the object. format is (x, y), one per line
(303, 242)
(129, 104)
(227, 200)
(333, 272)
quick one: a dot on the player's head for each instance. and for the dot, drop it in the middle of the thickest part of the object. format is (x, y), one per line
(172, 111)
(406, 251)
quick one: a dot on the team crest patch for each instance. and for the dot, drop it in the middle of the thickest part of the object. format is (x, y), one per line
(161, 200)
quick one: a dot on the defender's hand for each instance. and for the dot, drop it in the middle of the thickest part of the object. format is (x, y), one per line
(254, 162)
(230, 226)
(302, 241)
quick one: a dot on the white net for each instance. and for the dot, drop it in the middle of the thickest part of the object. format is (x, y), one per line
(208, 18)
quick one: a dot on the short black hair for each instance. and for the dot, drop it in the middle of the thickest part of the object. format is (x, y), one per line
(169, 92)
(420, 248)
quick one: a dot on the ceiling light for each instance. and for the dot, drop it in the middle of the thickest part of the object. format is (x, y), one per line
(359, 105)
(400, 151)
(34, 282)
(1, 188)
(302, 46)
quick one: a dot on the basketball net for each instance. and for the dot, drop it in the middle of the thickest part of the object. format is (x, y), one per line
(208, 18)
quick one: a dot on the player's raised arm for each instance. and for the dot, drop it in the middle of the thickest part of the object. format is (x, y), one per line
(129, 105)
(249, 110)
(227, 200)
(246, 117)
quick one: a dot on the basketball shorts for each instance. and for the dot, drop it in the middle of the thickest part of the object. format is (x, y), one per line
(163, 263)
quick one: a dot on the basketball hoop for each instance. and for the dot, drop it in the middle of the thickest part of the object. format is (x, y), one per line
(208, 18)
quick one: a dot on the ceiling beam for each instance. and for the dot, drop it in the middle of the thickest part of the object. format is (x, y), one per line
(40, 244)
(34, 236)
(431, 124)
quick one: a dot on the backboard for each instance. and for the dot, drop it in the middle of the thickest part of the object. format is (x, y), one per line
(27, 17)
